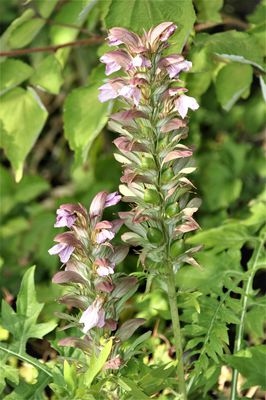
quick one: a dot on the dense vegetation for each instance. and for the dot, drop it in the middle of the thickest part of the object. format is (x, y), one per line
(57, 148)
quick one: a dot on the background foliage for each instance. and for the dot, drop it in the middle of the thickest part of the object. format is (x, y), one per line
(56, 148)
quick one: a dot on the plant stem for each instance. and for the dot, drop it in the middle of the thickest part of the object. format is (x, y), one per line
(240, 330)
(27, 359)
(77, 43)
(176, 330)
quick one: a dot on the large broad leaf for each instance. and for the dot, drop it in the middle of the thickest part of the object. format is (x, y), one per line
(208, 10)
(22, 324)
(22, 117)
(48, 75)
(143, 14)
(251, 364)
(23, 30)
(233, 81)
(12, 73)
(84, 118)
(45, 7)
(75, 13)
(24, 18)
(236, 46)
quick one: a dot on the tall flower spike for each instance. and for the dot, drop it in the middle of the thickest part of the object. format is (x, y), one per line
(92, 284)
(155, 162)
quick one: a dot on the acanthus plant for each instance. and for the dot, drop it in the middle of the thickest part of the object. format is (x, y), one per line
(152, 123)
(92, 284)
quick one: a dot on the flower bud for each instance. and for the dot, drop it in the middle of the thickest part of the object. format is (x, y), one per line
(147, 163)
(177, 248)
(154, 235)
(172, 210)
(151, 196)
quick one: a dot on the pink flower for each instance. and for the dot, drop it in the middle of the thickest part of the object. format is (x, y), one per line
(64, 251)
(115, 60)
(67, 244)
(133, 92)
(140, 61)
(119, 36)
(104, 231)
(64, 217)
(160, 33)
(101, 201)
(174, 64)
(105, 268)
(110, 90)
(93, 316)
(183, 103)
(112, 199)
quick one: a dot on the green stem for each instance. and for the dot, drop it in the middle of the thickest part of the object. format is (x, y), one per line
(27, 359)
(240, 330)
(176, 330)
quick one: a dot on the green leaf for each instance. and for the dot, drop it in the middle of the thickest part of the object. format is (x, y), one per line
(236, 46)
(14, 226)
(20, 129)
(232, 82)
(22, 323)
(16, 24)
(226, 236)
(84, 118)
(27, 303)
(45, 7)
(208, 10)
(12, 73)
(48, 75)
(22, 30)
(143, 14)
(258, 15)
(7, 372)
(97, 363)
(75, 13)
(251, 364)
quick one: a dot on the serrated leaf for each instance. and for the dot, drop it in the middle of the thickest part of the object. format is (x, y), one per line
(20, 129)
(225, 236)
(251, 364)
(232, 82)
(27, 304)
(84, 118)
(143, 14)
(22, 323)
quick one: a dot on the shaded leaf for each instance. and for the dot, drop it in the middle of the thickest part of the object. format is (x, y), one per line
(232, 82)
(48, 75)
(20, 129)
(12, 73)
